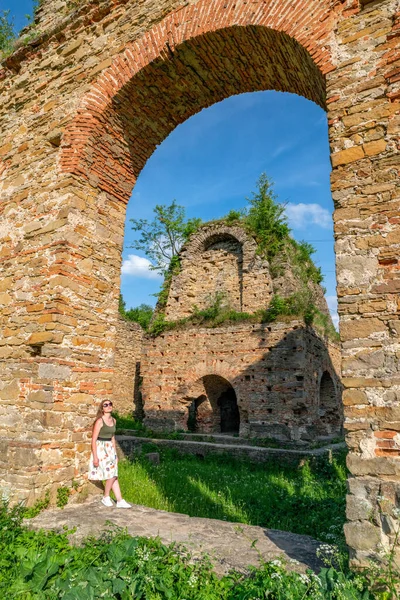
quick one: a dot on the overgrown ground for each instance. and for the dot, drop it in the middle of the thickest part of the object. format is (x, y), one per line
(304, 499)
(309, 499)
(43, 566)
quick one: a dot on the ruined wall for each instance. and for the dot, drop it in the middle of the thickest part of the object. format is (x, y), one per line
(219, 259)
(364, 117)
(83, 107)
(275, 370)
(128, 350)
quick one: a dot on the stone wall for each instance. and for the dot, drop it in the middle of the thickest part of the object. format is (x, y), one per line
(275, 371)
(82, 108)
(128, 350)
(364, 92)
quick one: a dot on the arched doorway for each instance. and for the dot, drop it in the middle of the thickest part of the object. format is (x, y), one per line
(229, 412)
(212, 406)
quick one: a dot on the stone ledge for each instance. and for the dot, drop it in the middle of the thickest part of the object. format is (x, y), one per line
(128, 444)
(230, 545)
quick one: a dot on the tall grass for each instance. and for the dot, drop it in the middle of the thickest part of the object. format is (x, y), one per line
(307, 499)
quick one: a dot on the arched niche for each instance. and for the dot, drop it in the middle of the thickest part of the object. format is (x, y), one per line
(212, 406)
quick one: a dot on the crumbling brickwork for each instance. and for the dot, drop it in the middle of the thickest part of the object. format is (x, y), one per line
(219, 260)
(265, 380)
(128, 350)
(274, 369)
(82, 108)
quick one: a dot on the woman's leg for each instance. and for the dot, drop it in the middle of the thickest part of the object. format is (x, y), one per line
(108, 486)
(116, 489)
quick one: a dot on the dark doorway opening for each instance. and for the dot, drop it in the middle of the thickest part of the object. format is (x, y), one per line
(212, 406)
(329, 413)
(192, 422)
(230, 418)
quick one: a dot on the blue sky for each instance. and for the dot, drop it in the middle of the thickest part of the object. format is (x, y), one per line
(210, 163)
(18, 9)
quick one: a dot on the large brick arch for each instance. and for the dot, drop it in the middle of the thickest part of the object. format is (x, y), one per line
(196, 56)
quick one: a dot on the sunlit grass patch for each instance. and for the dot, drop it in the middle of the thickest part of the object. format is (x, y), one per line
(307, 499)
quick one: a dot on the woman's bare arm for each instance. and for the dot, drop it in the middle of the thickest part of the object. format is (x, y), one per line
(95, 435)
(113, 440)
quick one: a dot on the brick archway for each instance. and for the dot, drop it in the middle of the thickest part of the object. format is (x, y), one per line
(200, 398)
(181, 66)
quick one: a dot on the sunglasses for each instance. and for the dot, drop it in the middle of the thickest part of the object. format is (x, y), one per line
(107, 404)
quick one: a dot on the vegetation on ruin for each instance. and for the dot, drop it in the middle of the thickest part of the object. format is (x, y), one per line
(45, 566)
(219, 313)
(163, 237)
(7, 32)
(264, 219)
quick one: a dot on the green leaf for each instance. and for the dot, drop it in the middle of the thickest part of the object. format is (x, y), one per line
(118, 586)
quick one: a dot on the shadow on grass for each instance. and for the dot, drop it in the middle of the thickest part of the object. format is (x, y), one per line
(306, 500)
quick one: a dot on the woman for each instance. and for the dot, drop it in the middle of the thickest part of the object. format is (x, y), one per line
(103, 460)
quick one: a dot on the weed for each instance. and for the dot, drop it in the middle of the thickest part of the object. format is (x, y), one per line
(38, 506)
(63, 494)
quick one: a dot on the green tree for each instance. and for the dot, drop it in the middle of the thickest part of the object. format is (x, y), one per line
(162, 238)
(121, 305)
(141, 314)
(267, 219)
(7, 33)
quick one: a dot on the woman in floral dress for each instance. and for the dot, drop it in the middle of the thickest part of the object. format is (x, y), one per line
(103, 460)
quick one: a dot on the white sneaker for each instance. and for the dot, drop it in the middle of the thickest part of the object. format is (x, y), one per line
(106, 500)
(123, 504)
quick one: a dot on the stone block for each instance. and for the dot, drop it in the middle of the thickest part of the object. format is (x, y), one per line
(153, 457)
(42, 396)
(358, 509)
(54, 371)
(24, 457)
(361, 328)
(81, 399)
(362, 535)
(10, 391)
(347, 156)
(376, 147)
(354, 397)
(40, 337)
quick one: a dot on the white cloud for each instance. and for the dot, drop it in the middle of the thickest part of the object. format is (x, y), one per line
(138, 266)
(302, 215)
(333, 307)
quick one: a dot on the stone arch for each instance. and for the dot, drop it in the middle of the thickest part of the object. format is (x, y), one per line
(201, 60)
(212, 402)
(58, 291)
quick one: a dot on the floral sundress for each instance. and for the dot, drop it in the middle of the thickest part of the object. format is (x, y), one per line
(108, 465)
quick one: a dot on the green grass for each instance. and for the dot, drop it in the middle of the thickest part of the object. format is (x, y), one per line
(307, 500)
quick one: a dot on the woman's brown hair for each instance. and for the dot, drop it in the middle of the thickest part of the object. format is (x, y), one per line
(100, 413)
